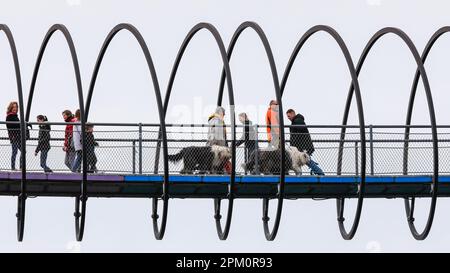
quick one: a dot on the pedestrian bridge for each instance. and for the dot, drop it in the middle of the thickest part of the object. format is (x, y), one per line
(359, 161)
(395, 163)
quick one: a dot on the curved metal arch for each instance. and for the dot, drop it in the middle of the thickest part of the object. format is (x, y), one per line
(21, 200)
(222, 233)
(421, 70)
(424, 56)
(79, 223)
(158, 231)
(270, 235)
(361, 191)
(409, 208)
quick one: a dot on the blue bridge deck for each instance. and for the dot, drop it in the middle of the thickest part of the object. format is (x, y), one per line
(213, 186)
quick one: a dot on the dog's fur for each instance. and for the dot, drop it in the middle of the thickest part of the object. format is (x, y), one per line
(206, 159)
(269, 161)
(298, 159)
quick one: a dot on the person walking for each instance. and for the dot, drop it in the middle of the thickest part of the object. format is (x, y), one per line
(77, 144)
(91, 158)
(43, 142)
(217, 134)
(248, 137)
(301, 139)
(273, 125)
(14, 133)
(68, 139)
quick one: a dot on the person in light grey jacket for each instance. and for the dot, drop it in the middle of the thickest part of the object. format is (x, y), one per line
(217, 134)
(77, 144)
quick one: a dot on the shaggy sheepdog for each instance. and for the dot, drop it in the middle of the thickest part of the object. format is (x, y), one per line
(298, 159)
(269, 161)
(206, 159)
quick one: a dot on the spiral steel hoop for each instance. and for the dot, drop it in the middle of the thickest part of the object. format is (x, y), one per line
(158, 231)
(79, 223)
(409, 208)
(222, 233)
(21, 201)
(340, 202)
(420, 72)
(270, 235)
(226, 54)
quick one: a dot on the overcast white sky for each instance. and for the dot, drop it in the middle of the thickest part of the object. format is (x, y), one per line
(317, 88)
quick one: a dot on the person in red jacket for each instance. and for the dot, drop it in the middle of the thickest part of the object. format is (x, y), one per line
(68, 139)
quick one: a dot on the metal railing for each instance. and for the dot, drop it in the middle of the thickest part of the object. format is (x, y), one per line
(135, 148)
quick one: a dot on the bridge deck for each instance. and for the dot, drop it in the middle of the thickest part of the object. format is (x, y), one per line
(201, 186)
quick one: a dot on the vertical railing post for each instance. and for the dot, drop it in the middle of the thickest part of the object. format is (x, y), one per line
(257, 150)
(371, 149)
(134, 157)
(356, 159)
(290, 137)
(406, 150)
(158, 151)
(246, 155)
(140, 148)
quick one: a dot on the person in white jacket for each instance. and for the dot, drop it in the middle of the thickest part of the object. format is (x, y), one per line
(76, 165)
(216, 132)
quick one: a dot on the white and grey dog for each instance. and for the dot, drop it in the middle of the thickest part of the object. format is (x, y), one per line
(298, 159)
(268, 161)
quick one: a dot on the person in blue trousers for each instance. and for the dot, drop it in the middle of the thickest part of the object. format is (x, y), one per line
(301, 139)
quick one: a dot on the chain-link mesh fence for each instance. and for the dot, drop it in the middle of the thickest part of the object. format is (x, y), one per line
(137, 149)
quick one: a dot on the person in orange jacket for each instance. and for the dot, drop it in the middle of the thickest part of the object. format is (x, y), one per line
(272, 122)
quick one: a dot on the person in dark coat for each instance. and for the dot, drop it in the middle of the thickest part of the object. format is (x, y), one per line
(91, 158)
(13, 131)
(43, 142)
(301, 138)
(248, 137)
